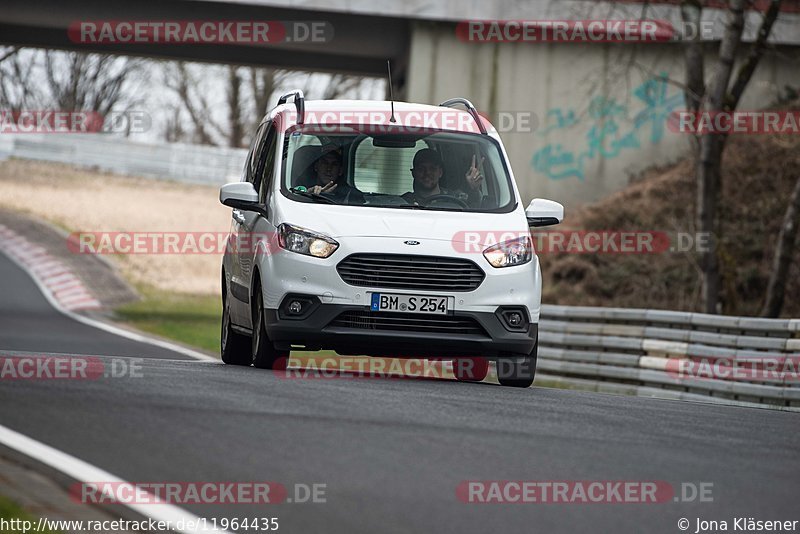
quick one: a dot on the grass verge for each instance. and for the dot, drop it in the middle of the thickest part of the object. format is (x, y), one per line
(10, 510)
(190, 319)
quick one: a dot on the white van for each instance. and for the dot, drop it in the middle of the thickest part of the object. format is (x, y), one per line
(382, 229)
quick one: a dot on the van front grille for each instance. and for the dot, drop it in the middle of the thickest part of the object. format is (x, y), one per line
(400, 271)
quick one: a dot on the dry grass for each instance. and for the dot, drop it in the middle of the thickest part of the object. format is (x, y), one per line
(81, 200)
(759, 173)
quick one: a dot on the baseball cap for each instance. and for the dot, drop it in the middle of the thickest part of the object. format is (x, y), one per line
(428, 155)
(331, 148)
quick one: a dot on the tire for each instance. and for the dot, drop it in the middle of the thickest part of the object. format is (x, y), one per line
(470, 369)
(264, 355)
(234, 347)
(518, 374)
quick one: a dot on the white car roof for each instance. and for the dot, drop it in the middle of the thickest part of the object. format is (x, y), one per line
(456, 119)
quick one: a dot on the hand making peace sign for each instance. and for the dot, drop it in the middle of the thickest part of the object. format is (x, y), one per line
(327, 188)
(474, 176)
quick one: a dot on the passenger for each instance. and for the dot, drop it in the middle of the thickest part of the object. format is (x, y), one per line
(427, 171)
(328, 177)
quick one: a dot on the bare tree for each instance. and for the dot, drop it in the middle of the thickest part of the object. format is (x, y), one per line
(173, 127)
(7, 52)
(235, 128)
(340, 85)
(264, 82)
(248, 93)
(691, 11)
(66, 81)
(17, 92)
(709, 89)
(179, 78)
(716, 96)
(87, 82)
(783, 256)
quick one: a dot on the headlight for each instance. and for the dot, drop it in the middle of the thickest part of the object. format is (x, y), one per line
(302, 241)
(514, 252)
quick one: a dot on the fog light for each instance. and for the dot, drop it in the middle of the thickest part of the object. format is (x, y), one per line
(297, 307)
(513, 318)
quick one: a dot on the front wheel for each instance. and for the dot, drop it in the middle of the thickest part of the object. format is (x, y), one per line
(264, 354)
(519, 370)
(234, 347)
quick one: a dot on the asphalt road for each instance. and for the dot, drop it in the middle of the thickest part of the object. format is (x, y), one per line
(28, 323)
(391, 452)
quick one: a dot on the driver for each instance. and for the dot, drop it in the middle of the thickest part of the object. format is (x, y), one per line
(427, 171)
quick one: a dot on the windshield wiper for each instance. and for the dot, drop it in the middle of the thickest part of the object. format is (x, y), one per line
(430, 208)
(441, 208)
(415, 207)
(318, 198)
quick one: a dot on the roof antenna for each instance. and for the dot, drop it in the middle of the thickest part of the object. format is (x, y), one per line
(391, 89)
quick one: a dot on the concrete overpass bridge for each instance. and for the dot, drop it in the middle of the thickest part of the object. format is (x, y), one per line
(361, 45)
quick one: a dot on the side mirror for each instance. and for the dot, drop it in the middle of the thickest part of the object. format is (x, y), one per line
(241, 196)
(543, 212)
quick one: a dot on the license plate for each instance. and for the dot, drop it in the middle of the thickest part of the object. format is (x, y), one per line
(408, 303)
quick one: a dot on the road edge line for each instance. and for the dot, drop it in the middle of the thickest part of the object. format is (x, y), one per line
(84, 472)
(135, 336)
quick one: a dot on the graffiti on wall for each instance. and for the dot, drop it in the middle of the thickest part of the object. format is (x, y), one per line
(610, 130)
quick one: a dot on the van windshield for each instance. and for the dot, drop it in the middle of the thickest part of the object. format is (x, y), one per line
(423, 170)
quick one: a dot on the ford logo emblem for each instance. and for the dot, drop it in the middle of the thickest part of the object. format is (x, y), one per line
(411, 242)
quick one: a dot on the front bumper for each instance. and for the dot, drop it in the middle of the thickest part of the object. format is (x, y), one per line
(315, 331)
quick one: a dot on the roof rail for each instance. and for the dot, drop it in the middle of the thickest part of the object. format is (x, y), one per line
(299, 103)
(467, 104)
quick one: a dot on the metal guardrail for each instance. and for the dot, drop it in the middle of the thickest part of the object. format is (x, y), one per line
(199, 164)
(732, 360)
